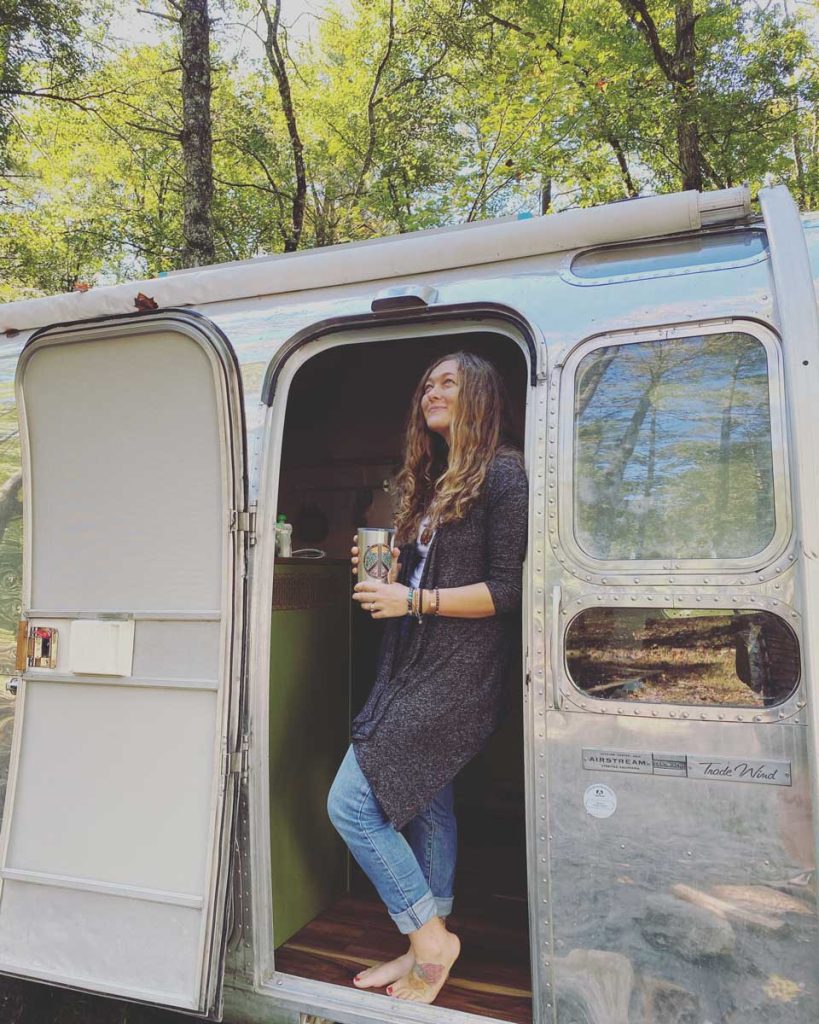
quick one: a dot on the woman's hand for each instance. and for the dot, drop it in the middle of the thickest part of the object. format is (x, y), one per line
(382, 600)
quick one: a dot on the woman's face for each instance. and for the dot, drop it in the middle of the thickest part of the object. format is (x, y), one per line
(440, 398)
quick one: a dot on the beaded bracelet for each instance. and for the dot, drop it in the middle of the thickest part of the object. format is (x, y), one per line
(410, 593)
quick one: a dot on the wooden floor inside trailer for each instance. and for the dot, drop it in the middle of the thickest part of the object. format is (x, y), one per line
(491, 977)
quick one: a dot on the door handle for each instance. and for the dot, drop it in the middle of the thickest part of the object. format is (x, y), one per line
(554, 647)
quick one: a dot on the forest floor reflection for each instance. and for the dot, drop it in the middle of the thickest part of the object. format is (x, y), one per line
(740, 658)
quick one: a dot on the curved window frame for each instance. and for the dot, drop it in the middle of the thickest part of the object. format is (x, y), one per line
(570, 697)
(781, 478)
(570, 277)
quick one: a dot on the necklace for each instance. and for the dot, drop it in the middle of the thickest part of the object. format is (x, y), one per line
(427, 531)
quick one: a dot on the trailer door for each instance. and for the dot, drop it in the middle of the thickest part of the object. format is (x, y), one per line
(124, 764)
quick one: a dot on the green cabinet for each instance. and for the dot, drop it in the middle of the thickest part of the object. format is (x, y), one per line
(309, 733)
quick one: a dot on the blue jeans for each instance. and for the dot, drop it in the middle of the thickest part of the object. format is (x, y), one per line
(413, 871)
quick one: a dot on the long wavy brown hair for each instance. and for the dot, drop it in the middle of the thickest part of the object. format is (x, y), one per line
(444, 482)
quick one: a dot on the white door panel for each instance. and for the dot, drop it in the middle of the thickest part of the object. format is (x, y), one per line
(148, 744)
(116, 830)
(97, 941)
(123, 435)
(157, 650)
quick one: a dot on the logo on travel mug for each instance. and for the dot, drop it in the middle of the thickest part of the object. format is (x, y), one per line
(374, 554)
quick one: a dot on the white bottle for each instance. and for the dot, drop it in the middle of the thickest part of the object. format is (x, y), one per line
(284, 537)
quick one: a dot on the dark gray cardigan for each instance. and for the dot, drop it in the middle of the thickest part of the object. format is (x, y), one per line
(439, 692)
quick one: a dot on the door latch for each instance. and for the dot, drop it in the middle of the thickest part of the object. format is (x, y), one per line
(36, 646)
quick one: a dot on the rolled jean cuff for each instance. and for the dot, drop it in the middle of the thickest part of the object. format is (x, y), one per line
(443, 907)
(419, 913)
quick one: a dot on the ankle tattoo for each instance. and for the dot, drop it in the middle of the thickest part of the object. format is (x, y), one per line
(430, 973)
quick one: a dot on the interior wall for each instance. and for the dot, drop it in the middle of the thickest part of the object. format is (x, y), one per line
(345, 419)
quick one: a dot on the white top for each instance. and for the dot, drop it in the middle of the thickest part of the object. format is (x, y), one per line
(423, 551)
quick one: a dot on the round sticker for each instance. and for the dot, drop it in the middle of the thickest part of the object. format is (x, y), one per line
(600, 801)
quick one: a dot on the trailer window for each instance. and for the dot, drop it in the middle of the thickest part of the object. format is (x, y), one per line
(734, 657)
(672, 449)
(669, 255)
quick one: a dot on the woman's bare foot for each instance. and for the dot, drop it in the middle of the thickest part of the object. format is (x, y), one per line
(382, 974)
(435, 950)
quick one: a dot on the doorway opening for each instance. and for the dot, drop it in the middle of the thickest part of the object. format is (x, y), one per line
(341, 447)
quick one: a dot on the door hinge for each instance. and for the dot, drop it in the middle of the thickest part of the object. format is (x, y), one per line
(237, 761)
(244, 522)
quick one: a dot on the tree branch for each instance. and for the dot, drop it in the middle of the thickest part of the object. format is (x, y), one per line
(156, 14)
(279, 68)
(372, 103)
(637, 13)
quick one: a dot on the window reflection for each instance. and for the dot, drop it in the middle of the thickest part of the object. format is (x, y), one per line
(739, 657)
(672, 455)
(669, 254)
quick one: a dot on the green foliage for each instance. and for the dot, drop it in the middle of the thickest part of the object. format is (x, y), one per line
(96, 192)
(44, 49)
(411, 114)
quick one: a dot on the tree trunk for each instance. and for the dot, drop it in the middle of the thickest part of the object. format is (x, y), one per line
(275, 58)
(545, 194)
(649, 484)
(685, 97)
(799, 164)
(722, 492)
(631, 189)
(679, 68)
(197, 141)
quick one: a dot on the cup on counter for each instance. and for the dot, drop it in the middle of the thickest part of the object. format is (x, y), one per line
(374, 554)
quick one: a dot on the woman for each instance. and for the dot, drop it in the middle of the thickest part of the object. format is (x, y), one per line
(438, 695)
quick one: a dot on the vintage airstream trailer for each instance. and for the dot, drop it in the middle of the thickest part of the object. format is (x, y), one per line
(637, 843)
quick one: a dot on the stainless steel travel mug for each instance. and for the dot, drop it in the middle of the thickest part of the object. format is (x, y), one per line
(374, 554)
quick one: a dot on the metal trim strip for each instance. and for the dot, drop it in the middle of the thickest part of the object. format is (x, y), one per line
(335, 1003)
(143, 616)
(795, 296)
(44, 676)
(134, 892)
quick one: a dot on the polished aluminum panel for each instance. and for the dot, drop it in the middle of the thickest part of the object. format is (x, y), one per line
(693, 900)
